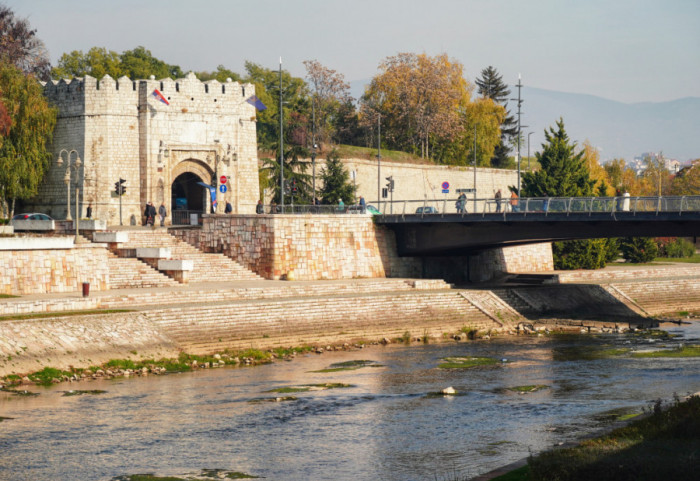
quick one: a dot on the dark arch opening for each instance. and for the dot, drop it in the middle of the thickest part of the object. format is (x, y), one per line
(188, 194)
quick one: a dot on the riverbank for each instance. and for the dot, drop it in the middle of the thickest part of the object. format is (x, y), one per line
(660, 445)
(205, 318)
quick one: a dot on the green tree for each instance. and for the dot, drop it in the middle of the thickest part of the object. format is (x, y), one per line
(97, 62)
(336, 181)
(638, 249)
(294, 170)
(295, 99)
(221, 74)
(564, 173)
(24, 156)
(491, 86)
(138, 63)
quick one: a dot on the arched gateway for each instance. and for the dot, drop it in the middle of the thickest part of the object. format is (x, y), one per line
(188, 192)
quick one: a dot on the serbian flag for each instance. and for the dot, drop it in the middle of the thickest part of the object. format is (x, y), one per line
(257, 103)
(156, 93)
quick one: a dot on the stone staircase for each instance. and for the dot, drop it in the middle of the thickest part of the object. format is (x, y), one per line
(127, 273)
(318, 320)
(494, 306)
(516, 301)
(661, 296)
(207, 267)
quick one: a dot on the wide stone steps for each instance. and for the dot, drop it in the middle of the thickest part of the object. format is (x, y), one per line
(207, 266)
(496, 307)
(131, 273)
(240, 325)
(662, 296)
(515, 301)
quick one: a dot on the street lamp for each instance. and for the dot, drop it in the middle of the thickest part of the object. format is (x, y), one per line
(76, 166)
(475, 168)
(379, 160)
(528, 150)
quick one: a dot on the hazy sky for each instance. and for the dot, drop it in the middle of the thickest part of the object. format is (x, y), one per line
(625, 50)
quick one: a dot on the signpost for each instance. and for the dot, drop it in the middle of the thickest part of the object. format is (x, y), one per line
(223, 179)
(445, 187)
(222, 188)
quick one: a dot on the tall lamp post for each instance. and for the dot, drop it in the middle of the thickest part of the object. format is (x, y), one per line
(67, 178)
(474, 168)
(379, 161)
(528, 150)
(520, 102)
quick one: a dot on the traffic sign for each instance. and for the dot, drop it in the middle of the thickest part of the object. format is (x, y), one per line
(223, 179)
(222, 189)
(465, 191)
(445, 191)
(445, 186)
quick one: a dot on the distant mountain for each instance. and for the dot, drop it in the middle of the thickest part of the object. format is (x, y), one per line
(619, 130)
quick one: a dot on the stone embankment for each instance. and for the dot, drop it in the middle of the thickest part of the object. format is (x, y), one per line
(205, 318)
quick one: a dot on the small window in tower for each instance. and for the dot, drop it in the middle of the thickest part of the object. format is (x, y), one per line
(243, 91)
(134, 85)
(177, 87)
(223, 89)
(161, 86)
(206, 88)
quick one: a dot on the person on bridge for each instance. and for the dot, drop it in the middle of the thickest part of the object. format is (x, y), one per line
(498, 200)
(259, 209)
(363, 204)
(461, 203)
(228, 209)
(514, 207)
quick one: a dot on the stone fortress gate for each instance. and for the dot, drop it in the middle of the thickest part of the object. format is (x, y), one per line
(164, 147)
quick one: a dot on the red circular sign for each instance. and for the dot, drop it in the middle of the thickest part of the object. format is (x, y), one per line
(223, 179)
(445, 185)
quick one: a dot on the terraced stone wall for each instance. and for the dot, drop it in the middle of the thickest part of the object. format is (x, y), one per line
(44, 271)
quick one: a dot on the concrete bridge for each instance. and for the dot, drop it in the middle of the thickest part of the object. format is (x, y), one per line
(535, 220)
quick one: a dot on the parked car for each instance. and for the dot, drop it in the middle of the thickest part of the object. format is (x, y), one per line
(426, 210)
(33, 216)
(369, 209)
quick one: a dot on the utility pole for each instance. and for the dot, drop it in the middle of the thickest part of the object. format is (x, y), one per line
(379, 161)
(520, 102)
(313, 143)
(474, 169)
(281, 114)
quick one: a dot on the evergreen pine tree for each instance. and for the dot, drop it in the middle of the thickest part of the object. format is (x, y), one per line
(336, 181)
(491, 86)
(564, 173)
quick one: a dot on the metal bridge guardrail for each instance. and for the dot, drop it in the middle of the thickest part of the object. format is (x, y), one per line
(546, 205)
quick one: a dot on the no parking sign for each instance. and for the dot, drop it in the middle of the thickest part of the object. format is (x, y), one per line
(445, 187)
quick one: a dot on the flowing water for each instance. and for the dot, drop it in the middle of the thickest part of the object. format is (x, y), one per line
(385, 426)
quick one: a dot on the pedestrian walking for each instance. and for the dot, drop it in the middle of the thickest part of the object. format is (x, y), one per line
(228, 209)
(498, 200)
(162, 213)
(461, 203)
(363, 205)
(88, 212)
(514, 207)
(259, 209)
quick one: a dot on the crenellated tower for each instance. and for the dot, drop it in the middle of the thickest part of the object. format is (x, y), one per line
(165, 137)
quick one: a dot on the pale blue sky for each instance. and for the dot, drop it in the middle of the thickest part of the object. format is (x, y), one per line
(625, 50)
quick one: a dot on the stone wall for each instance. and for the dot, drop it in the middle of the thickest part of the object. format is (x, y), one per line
(526, 258)
(304, 247)
(53, 270)
(314, 246)
(422, 183)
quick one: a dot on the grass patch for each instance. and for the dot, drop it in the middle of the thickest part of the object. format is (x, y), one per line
(695, 259)
(467, 362)
(42, 315)
(588, 353)
(310, 387)
(661, 446)
(19, 392)
(78, 392)
(654, 334)
(46, 376)
(528, 388)
(520, 474)
(205, 474)
(684, 351)
(349, 366)
(4, 418)
(7, 296)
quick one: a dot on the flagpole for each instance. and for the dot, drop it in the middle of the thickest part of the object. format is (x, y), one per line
(281, 114)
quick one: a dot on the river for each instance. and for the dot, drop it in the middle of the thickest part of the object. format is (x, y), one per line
(384, 426)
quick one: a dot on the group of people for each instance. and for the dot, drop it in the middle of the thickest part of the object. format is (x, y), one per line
(150, 213)
(461, 203)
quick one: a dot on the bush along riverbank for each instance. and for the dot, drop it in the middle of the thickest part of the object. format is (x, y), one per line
(662, 446)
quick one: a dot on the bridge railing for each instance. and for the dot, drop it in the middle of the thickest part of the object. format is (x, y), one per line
(546, 205)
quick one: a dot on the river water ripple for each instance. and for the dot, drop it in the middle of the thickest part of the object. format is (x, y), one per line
(384, 427)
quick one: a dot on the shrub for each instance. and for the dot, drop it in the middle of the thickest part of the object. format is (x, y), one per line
(676, 247)
(638, 249)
